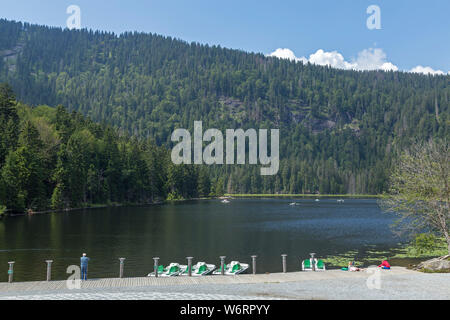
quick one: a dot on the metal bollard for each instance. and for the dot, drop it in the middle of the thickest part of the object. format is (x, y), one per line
(11, 271)
(189, 266)
(222, 264)
(313, 265)
(156, 259)
(254, 264)
(121, 267)
(283, 259)
(49, 269)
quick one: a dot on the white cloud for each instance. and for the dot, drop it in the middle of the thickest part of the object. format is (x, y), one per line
(427, 70)
(368, 59)
(333, 59)
(373, 59)
(286, 54)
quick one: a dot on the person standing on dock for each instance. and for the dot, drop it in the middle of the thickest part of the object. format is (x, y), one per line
(84, 266)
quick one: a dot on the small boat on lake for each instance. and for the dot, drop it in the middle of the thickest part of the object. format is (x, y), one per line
(225, 201)
(199, 269)
(171, 270)
(340, 200)
(234, 268)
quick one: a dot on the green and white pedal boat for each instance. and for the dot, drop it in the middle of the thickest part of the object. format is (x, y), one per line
(172, 270)
(307, 265)
(234, 268)
(199, 269)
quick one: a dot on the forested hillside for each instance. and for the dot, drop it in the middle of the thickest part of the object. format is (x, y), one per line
(50, 158)
(339, 130)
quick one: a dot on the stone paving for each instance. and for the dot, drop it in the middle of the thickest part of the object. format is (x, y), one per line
(136, 295)
(397, 283)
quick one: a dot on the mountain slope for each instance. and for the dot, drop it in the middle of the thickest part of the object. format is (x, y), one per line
(340, 129)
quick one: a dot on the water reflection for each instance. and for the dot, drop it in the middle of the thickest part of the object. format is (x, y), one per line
(202, 229)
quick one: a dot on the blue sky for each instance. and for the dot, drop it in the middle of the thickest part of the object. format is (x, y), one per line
(412, 32)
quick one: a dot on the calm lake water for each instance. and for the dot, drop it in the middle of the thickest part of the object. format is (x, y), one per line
(202, 229)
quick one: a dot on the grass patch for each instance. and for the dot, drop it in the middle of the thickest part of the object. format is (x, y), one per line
(411, 250)
(434, 271)
(342, 260)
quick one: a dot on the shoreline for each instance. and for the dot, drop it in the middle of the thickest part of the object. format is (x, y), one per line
(90, 207)
(225, 196)
(102, 206)
(300, 195)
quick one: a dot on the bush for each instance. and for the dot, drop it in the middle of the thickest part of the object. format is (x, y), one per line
(174, 196)
(2, 210)
(425, 242)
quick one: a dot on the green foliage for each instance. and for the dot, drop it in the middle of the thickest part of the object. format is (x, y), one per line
(8, 121)
(419, 191)
(15, 174)
(342, 260)
(63, 160)
(204, 184)
(423, 248)
(2, 210)
(57, 200)
(173, 196)
(434, 271)
(425, 242)
(182, 181)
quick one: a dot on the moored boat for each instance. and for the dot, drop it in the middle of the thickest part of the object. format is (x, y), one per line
(171, 270)
(234, 268)
(307, 265)
(199, 269)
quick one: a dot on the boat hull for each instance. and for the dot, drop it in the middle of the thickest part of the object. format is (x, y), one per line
(244, 268)
(194, 273)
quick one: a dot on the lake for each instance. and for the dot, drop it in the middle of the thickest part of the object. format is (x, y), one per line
(204, 229)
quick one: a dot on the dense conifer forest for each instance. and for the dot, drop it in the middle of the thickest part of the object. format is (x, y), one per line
(50, 158)
(123, 95)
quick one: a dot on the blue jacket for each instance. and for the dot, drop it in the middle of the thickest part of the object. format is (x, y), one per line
(84, 261)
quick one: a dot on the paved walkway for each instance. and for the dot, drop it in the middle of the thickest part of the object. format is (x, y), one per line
(134, 295)
(397, 283)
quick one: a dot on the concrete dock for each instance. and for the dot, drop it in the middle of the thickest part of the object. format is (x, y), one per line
(397, 283)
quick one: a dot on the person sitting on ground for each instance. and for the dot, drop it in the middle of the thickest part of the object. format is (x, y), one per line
(352, 267)
(385, 265)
